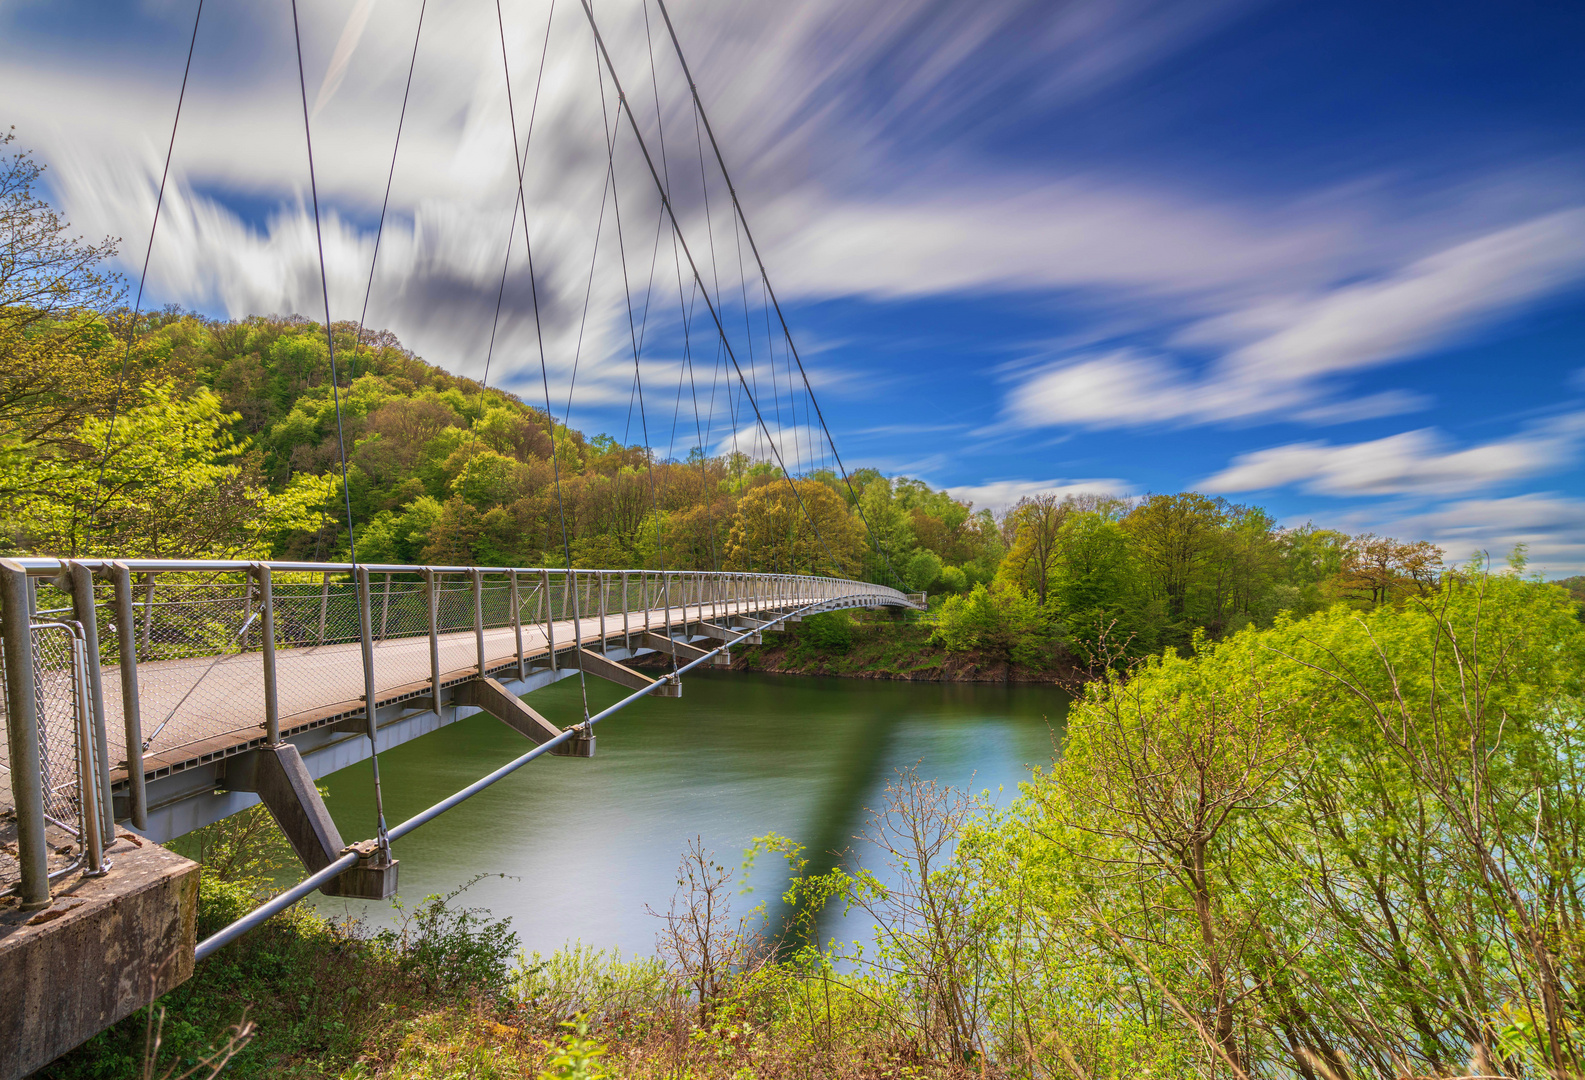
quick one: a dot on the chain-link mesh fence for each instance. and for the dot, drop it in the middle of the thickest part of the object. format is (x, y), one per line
(58, 675)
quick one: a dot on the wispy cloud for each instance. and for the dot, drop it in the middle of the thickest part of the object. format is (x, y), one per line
(1283, 354)
(1415, 462)
(998, 495)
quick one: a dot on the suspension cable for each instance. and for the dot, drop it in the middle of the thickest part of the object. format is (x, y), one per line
(539, 335)
(637, 335)
(379, 232)
(341, 445)
(786, 330)
(714, 314)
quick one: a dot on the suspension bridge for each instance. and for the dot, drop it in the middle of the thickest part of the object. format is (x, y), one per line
(145, 698)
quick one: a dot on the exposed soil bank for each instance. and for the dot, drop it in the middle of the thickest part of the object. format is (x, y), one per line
(881, 650)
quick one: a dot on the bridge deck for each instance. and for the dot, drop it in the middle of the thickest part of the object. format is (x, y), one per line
(198, 709)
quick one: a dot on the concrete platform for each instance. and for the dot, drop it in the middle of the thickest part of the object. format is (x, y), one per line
(105, 947)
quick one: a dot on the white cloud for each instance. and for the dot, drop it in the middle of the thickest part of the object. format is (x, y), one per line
(1416, 307)
(1369, 407)
(1283, 347)
(1414, 462)
(998, 495)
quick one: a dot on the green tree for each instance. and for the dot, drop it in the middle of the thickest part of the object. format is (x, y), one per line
(1094, 588)
(771, 532)
(1034, 522)
(1002, 622)
(1174, 538)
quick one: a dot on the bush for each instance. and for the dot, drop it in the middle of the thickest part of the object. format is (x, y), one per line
(453, 951)
(1002, 622)
(830, 630)
(924, 567)
(596, 984)
(952, 579)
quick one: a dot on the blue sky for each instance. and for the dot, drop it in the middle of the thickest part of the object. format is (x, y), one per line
(1328, 258)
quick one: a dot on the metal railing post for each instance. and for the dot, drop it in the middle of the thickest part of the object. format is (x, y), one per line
(366, 646)
(385, 607)
(432, 604)
(324, 605)
(577, 625)
(272, 701)
(131, 712)
(550, 618)
(665, 588)
(478, 615)
(81, 585)
(604, 584)
(92, 822)
(517, 624)
(627, 631)
(22, 734)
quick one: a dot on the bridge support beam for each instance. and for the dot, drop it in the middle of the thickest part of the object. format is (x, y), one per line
(284, 785)
(721, 633)
(681, 650)
(515, 713)
(609, 670)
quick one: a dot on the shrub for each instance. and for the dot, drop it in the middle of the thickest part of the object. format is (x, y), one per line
(830, 630)
(1001, 622)
(597, 984)
(952, 579)
(453, 951)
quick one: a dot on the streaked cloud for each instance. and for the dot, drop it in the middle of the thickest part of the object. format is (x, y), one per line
(998, 495)
(1414, 462)
(1284, 353)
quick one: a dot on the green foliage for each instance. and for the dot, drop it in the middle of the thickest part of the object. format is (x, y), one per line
(1002, 622)
(1244, 850)
(830, 630)
(576, 1056)
(924, 568)
(595, 984)
(452, 950)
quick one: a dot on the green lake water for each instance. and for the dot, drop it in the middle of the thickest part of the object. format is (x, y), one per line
(586, 844)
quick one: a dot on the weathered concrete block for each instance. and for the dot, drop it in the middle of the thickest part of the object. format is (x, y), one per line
(102, 949)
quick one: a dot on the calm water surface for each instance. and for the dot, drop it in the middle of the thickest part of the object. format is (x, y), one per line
(587, 843)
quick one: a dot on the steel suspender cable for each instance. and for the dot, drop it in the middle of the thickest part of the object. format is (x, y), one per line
(533, 284)
(379, 232)
(714, 314)
(341, 445)
(143, 278)
(721, 162)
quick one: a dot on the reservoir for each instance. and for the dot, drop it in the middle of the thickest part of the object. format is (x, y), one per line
(581, 846)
